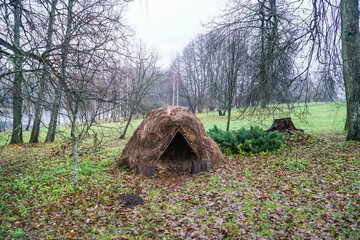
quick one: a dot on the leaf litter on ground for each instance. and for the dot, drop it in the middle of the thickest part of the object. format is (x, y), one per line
(311, 190)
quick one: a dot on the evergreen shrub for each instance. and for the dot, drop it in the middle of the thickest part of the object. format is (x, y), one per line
(243, 141)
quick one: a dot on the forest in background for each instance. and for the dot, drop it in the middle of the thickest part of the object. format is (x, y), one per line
(77, 61)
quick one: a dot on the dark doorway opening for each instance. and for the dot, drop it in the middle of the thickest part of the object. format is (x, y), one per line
(177, 157)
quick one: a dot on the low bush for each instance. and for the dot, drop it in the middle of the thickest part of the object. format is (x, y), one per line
(243, 141)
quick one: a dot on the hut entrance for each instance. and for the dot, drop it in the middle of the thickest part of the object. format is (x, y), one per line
(178, 156)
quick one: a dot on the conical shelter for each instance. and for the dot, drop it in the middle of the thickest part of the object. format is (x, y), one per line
(170, 139)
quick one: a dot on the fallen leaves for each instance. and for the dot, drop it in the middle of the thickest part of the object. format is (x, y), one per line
(248, 197)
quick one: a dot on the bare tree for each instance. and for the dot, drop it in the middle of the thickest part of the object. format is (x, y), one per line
(62, 75)
(34, 138)
(89, 25)
(335, 30)
(141, 75)
(193, 69)
(273, 31)
(175, 78)
(12, 22)
(74, 53)
(234, 59)
(47, 50)
(189, 79)
(84, 86)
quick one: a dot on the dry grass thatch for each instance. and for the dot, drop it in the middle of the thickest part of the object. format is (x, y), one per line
(169, 139)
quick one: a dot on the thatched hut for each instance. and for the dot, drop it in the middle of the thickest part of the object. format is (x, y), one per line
(170, 139)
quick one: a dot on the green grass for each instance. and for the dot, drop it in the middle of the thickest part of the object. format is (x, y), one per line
(319, 118)
(108, 130)
(308, 190)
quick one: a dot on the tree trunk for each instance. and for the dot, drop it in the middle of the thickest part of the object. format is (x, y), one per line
(50, 137)
(16, 136)
(177, 92)
(34, 138)
(29, 123)
(228, 119)
(61, 79)
(262, 71)
(173, 92)
(351, 65)
(122, 136)
(232, 74)
(75, 158)
(75, 143)
(199, 166)
(222, 112)
(231, 91)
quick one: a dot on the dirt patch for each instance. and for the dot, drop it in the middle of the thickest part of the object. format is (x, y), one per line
(130, 200)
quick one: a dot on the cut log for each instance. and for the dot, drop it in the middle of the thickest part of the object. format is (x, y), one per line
(283, 125)
(147, 171)
(199, 166)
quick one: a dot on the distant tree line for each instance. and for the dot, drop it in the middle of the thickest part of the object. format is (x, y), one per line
(76, 59)
(263, 53)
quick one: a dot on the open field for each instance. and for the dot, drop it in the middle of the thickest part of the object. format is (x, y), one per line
(311, 190)
(320, 118)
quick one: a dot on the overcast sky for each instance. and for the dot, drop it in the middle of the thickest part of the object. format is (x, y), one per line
(168, 25)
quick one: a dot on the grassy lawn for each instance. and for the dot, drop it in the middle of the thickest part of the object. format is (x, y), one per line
(319, 118)
(309, 190)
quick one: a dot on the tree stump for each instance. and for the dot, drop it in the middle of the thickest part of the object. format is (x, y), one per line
(199, 166)
(283, 125)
